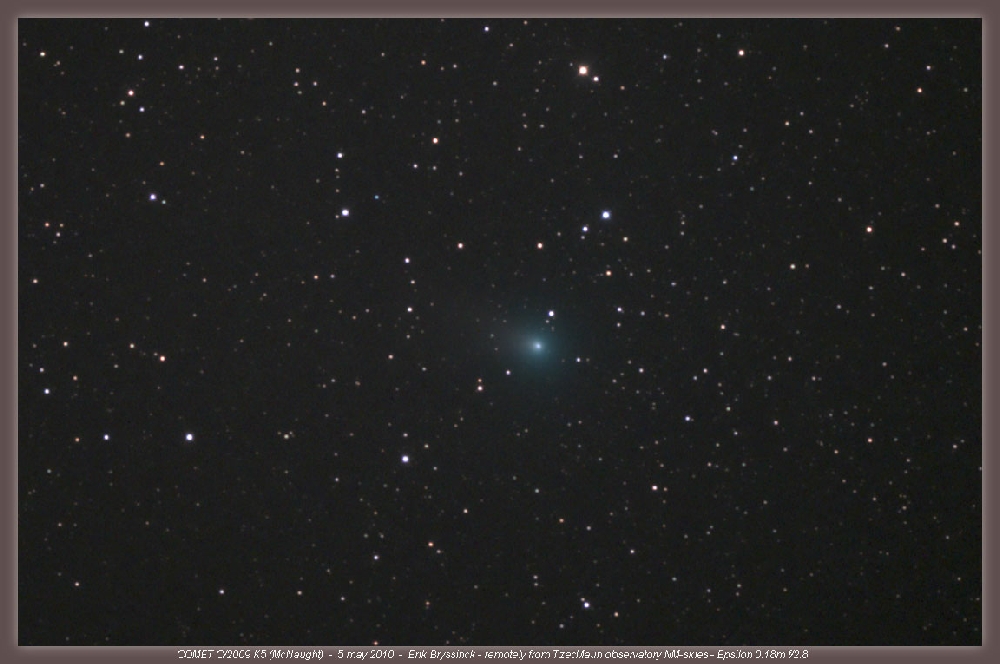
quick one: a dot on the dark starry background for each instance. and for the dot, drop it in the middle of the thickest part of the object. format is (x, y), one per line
(325, 336)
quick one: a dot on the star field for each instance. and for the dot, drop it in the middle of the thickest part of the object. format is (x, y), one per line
(499, 332)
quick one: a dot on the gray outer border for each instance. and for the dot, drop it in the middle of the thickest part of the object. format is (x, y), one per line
(9, 650)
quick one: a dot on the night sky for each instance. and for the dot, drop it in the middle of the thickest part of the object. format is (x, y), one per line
(499, 332)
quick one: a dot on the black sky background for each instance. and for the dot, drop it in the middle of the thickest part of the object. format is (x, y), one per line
(754, 416)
